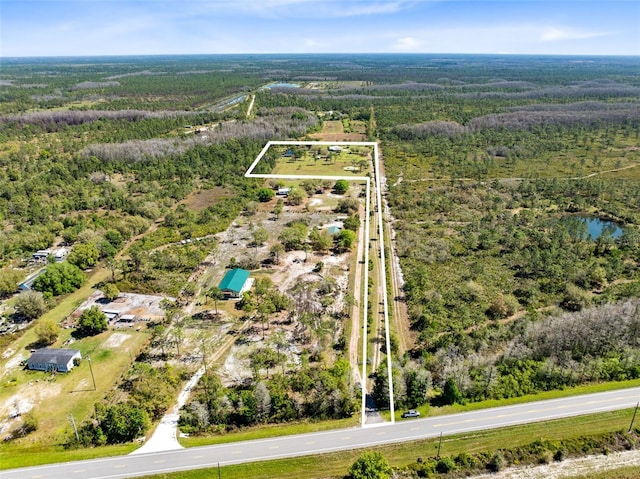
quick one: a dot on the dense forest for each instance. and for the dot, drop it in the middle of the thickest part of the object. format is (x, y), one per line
(494, 167)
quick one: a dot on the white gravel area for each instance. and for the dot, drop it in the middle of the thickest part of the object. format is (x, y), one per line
(570, 467)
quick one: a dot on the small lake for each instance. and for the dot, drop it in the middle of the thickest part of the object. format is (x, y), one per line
(595, 227)
(281, 85)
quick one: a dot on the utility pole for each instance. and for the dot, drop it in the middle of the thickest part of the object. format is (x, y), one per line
(634, 416)
(75, 429)
(92, 376)
(439, 446)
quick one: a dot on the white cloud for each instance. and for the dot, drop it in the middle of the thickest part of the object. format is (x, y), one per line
(306, 8)
(406, 43)
(552, 34)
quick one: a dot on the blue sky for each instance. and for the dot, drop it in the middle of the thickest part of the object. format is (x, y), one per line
(140, 27)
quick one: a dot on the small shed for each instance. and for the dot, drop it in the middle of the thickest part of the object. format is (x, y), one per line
(334, 230)
(335, 149)
(283, 191)
(234, 282)
(52, 359)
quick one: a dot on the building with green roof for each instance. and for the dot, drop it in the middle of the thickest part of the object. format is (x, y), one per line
(235, 282)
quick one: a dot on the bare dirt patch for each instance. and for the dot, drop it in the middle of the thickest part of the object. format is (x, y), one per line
(203, 199)
(24, 401)
(115, 340)
(570, 467)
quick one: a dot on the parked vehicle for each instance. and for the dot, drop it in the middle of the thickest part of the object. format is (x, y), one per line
(411, 413)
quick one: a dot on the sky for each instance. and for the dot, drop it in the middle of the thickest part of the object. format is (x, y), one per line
(158, 27)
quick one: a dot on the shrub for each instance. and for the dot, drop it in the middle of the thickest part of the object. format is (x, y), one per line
(497, 462)
(370, 465)
(445, 465)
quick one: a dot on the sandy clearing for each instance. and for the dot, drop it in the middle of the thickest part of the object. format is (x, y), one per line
(116, 340)
(24, 401)
(13, 363)
(570, 467)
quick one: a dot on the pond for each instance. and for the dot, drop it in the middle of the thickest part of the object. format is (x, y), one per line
(595, 227)
(281, 85)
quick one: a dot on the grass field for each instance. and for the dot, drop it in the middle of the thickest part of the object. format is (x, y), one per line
(314, 161)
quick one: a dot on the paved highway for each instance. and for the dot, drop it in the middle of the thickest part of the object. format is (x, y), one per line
(317, 443)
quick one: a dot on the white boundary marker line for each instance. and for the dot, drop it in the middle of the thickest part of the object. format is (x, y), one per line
(367, 179)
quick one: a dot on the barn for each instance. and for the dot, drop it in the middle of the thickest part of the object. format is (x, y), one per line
(235, 282)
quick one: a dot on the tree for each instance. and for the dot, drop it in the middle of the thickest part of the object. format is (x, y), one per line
(30, 304)
(59, 278)
(348, 206)
(84, 255)
(450, 393)
(345, 239)
(110, 291)
(259, 236)
(293, 236)
(47, 332)
(9, 279)
(216, 294)
(321, 240)
(124, 422)
(275, 251)
(92, 321)
(296, 196)
(265, 194)
(370, 465)
(341, 187)
(277, 209)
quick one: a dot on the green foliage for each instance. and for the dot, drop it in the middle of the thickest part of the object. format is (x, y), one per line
(110, 291)
(450, 393)
(293, 237)
(92, 321)
(47, 332)
(345, 239)
(296, 196)
(84, 255)
(348, 206)
(370, 465)
(30, 304)
(341, 187)
(9, 279)
(265, 194)
(59, 278)
(123, 422)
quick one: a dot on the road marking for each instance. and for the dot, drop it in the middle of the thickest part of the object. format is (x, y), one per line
(118, 466)
(455, 423)
(79, 471)
(236, 452)
(159, 462)
(380, 433)
(310, 442)
(345, 438)
(274, 447)
(198, 457)
(414, 429)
